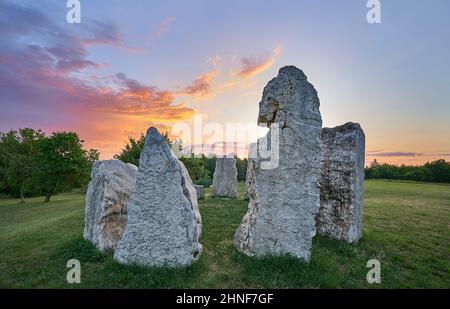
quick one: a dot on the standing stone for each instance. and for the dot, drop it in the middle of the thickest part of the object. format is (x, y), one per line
(164, 223)
(225, 178)
(112, 183)
(200, 192)
(285, 197)
(251, 165)
(341, 192)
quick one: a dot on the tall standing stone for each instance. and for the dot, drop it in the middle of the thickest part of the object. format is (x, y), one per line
(285, 198)
(164, 223)
(342, 180)
(112, 183)
(225, 178)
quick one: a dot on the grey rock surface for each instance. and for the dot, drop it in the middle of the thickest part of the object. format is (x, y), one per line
(225, 178)
(200, 191)
(285, 200)
(164, 223)
(342, 180)
(251, 165)
(111, 186)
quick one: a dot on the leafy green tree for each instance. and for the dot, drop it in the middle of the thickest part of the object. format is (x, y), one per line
(209, 163)
(61, 163)
(3, 162)
(436, 171)
(241, 165)
(131, 152)
(17, 153)
(196, 168)
(92, 155)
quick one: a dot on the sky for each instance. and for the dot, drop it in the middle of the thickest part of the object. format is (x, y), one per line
(130, 65)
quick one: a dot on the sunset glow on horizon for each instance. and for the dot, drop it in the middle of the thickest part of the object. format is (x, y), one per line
(127, 67)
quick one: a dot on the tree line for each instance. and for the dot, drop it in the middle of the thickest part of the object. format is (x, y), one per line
(201, 168)
(437, 171)
(35, 164)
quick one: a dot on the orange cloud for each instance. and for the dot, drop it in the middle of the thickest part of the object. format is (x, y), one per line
(109, 132)
(108, 115)
(252, 66)
(202, 85)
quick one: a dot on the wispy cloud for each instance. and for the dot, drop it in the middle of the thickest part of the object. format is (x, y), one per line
(202, 85)
(251, 66)
(102, 33)
(162, 28)
(215, 60)
(442, 154)
(393, 154)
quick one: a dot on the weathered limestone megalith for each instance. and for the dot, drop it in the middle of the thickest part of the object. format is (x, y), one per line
(225, 178)
(111, 186)
(200, 191)
(164, 223)
(251, 165)
(285, 194)
(341, 192)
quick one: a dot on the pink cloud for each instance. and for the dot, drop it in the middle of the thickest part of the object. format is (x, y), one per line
(161, 29)
(201, 85)
(252, 66)
(47, 83)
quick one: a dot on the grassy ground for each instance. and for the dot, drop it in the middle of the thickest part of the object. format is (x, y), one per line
(406, 227)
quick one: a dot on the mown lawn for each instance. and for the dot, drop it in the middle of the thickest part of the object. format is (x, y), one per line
(406, 227)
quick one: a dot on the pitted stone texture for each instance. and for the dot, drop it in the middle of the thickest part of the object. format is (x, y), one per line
(341, 193)
(225, 178)
(164, 223)
(111, 186)
(285, 200)
(250, 175)
(200, 192)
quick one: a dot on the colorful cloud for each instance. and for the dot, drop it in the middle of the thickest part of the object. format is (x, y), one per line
(202, 85)
(252, 66)
(44, 66)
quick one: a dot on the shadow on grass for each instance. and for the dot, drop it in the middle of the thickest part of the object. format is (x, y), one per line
(332, 262)
(102, 271)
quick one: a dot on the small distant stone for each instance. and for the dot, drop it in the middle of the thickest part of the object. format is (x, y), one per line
(225, 178)
(200, 191)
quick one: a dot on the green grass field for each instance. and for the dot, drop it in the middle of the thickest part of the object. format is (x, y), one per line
(406, 227)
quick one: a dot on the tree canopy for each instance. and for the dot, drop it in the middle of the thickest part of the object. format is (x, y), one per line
(436, 171)
(32, 163)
